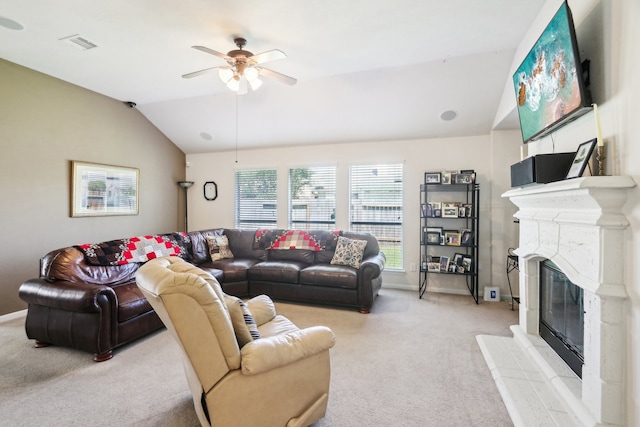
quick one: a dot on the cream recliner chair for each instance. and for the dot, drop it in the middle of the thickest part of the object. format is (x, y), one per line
(280, 378)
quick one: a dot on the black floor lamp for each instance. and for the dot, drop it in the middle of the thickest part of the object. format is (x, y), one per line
(185, 186)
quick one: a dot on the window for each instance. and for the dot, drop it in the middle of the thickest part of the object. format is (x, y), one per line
(376, 207)
(312, 198)
(256, 198)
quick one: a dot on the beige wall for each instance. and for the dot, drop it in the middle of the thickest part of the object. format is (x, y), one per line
(44, 124)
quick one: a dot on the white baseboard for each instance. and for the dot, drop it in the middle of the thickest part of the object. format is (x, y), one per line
(12, 316)
(400, 286)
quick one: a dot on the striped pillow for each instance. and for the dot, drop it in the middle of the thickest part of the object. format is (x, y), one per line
(244, 325)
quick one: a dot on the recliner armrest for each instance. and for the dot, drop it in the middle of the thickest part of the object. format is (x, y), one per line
(70, 296)
(264, 354)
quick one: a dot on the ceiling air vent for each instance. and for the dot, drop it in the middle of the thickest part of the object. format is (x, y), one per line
(78, 42)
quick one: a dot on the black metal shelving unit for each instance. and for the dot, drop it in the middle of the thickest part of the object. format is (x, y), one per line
(454, 240)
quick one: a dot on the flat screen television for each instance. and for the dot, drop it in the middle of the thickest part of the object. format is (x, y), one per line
(549, 84)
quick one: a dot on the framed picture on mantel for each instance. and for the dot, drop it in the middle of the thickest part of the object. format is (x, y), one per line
(581, 159)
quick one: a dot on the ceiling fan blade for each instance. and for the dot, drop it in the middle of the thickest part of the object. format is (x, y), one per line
(270, 55)
(212, 52)
(198, 73)
(278, 76)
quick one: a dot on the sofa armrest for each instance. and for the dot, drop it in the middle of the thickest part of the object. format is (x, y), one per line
(264, 354)
(371, 267)
(69, 296)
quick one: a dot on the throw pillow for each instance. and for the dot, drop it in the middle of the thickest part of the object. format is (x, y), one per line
(243, 324)
(349, 252)
(219, 247)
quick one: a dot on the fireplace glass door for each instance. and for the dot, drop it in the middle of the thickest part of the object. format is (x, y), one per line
(562, 315)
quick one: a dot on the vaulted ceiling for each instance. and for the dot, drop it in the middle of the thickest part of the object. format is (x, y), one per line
(367, 70)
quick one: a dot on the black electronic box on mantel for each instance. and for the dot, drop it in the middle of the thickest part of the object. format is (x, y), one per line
(541, 169)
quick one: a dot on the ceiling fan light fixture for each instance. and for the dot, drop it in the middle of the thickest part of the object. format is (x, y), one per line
(242, 63)
(251, 73)
(255, 83)
(225, 74)
(233, 84)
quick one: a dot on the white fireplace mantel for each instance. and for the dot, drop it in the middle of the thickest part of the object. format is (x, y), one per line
(578, 224)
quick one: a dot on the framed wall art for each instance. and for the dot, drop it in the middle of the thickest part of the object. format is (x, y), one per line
(101, 190)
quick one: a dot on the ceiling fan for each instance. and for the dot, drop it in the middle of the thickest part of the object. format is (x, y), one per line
(242, 63)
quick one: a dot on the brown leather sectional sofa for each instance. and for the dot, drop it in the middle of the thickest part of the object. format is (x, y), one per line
(97, 308)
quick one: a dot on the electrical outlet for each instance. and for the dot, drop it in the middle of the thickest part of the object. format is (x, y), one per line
(412, 266)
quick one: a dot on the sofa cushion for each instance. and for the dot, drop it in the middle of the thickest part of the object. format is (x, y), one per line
(219, 248)
(276, 271)
(131, 302)
(335, 276)
(241, 244)
(215, 272)
(244, 325)
(301, 255)
(235, 269)
(349, 252)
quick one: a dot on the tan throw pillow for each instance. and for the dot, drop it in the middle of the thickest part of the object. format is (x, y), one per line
(349, 252)
(219, 247)
(243, 324)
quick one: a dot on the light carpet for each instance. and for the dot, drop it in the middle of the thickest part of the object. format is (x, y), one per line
(410, 362)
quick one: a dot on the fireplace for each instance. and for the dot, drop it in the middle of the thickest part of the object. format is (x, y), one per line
(562, 315)
(576, 226)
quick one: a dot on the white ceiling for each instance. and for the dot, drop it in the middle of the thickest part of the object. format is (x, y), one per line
(367, 69)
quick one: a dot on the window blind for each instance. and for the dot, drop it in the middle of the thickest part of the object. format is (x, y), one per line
(256, 198)
(376, 194)
(312, 198)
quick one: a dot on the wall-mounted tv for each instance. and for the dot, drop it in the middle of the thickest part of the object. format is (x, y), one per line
(549, 84)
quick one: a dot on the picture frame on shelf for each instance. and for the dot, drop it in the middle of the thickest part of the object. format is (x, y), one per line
(444, 264)
(452, 238)
(432, 177)
(452, 268)
(466, 238)
(433, 266)
(435, 207)
(449, 210)
(432, 238)
(457, 259)
(463, 178)
(462, 211)
(468, 210)
(581, 159)
(467, 262)
(446, 178)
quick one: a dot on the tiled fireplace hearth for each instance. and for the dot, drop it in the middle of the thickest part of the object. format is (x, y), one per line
(579, 225)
